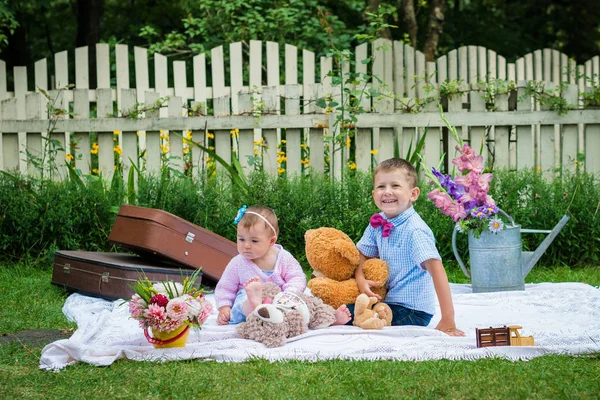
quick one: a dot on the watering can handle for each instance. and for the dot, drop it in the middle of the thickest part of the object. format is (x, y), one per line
(455, 250)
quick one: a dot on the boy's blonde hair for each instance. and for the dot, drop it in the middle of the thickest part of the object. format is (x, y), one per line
(392, 164)
(249, 220)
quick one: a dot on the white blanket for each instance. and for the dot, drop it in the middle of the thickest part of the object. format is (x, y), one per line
(564, 318)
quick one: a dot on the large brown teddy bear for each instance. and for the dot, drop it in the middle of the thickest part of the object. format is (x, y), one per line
(334, 258)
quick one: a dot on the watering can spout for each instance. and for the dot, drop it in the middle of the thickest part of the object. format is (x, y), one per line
(530, 258)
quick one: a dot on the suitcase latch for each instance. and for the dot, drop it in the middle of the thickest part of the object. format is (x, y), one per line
(67, 268)
(189, 237)
(105, 277)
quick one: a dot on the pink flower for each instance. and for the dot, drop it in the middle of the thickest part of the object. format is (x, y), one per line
(440, 199)
(177, 310)
(155, 316)
(137, 305)
(468, 160)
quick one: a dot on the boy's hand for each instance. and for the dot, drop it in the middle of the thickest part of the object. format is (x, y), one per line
(365, 287)
(224, 315)
(449, 328)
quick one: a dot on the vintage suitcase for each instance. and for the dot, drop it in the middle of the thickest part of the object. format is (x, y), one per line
(109, 275)
(157, 234)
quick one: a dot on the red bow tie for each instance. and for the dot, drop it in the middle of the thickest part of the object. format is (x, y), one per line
(377, 220)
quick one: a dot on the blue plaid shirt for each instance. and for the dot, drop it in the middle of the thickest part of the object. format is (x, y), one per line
(410, 243)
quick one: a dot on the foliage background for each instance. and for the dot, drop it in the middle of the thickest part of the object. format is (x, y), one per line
(36, 219)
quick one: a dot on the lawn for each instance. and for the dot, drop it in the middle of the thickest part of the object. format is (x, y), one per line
(31, 302)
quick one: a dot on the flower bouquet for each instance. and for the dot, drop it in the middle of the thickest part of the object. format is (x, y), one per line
(465, 197)
(169, 309)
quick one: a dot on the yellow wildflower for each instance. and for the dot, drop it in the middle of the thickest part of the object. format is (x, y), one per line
(255, 152)
(211, 147)
(283, 141)
(234, 133)
(94, 149)
(210, 135)
(328, 110)
(352, 166)
(538, 169)
(348, 142)
(214, 172)
(95, 171)
(303, 145)
(328, 159)
(69, 157)
(374, 151)
(118, 149)
(186, 150)
(207, 159)
(188, 135)
(280, 170)
(116, 132)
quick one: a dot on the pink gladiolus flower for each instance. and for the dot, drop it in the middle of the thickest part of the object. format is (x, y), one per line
(440, 199)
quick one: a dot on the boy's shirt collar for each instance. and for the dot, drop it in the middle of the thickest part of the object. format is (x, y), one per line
(402, 218)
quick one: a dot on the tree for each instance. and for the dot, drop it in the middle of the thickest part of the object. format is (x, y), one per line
(8, 23)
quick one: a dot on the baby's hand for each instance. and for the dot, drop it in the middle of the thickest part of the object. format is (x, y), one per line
(224, 315)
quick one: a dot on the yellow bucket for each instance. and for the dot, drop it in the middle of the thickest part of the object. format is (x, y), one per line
(163, 340)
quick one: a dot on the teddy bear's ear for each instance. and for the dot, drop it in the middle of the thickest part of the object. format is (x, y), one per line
(347, 250)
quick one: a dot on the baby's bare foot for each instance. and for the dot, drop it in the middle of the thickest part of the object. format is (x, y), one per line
(342, 315)
(253, 290)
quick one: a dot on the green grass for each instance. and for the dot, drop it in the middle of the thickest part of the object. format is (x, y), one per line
(29, 301)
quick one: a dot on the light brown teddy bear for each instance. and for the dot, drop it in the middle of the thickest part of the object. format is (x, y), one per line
(334, 258)
(368, 314)
(272, 323)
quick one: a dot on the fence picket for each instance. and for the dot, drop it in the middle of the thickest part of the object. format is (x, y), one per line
(570, 134)
(9, 141)
(235, 71)
(105, 138)
(152, 150)
(82, 74)
(102, 66)
(501, 68)
(200, 90)
(81, 110)
(33, 110)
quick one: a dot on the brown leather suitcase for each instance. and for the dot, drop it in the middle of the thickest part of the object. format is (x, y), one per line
(109, 275)
(157, 234)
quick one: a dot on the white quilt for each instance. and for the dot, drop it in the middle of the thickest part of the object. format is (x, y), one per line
(564, 318)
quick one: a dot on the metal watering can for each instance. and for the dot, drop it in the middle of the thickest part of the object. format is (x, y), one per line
(498, 262)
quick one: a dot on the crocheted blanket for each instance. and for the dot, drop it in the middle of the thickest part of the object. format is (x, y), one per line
(563, 318)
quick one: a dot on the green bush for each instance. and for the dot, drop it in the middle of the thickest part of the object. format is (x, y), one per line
(37, 218)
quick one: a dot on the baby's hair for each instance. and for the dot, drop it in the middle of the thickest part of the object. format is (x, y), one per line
(249, 220)
(392, 164)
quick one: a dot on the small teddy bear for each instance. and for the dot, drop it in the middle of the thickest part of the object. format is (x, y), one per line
(284, 315)
(368, 314)
(334, 258)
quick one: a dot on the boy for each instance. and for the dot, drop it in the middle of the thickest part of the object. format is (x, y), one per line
(400, 237)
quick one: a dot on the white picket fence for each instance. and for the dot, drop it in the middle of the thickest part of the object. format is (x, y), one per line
(516, 135)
